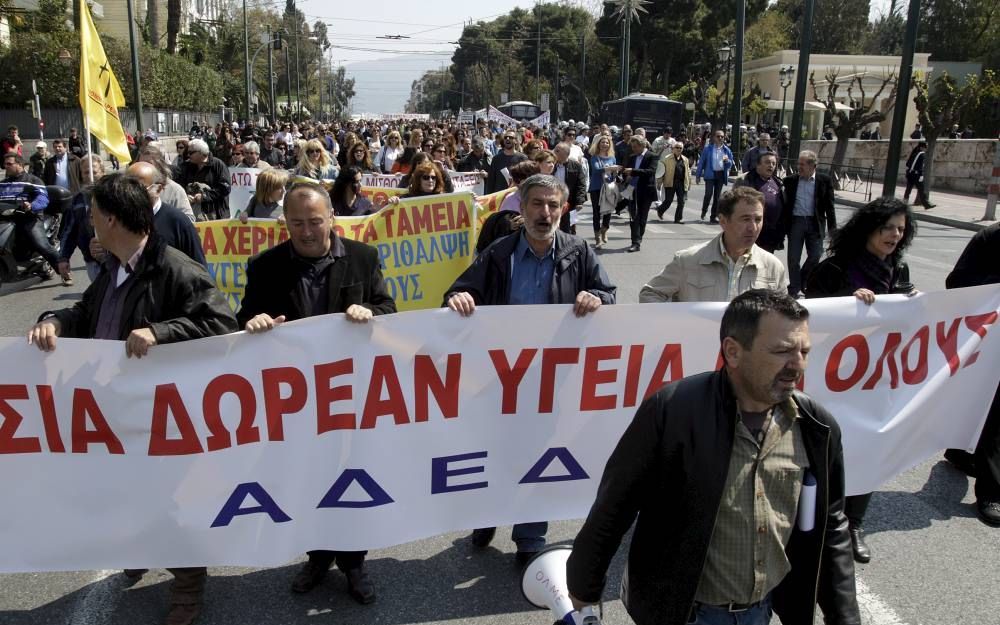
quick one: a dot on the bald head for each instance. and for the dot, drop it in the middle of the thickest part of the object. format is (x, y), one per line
(149, 176)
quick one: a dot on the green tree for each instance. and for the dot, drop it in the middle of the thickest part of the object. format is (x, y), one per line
(839, 26)
(885, 34)
(961, 30)
(940, 105)
(770, 33)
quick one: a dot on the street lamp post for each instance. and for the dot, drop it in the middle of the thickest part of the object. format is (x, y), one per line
(270, 75)
(724, 53)
(785, 75)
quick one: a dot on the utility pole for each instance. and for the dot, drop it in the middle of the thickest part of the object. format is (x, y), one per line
(135, 70)
(583, 75)
(246, 58)
(462, 100)
(558, 91)
(795, 131)
(270, 75)
(288, 84)
(538, 56)
(741, 17)
(510, 94)
(902, 101)
(298, 96)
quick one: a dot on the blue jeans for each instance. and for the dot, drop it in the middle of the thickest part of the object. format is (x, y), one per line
(804, 231)
(759, 614)
(530, 536)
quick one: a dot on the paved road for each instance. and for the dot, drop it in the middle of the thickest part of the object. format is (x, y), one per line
(934, 563)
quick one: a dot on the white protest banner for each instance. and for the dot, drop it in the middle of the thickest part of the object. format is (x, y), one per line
(465, 181)
(495, 115)
(325, 434)
(467, 117)
(391, 117)
(382, 181)
(244, 184)
(541, 121)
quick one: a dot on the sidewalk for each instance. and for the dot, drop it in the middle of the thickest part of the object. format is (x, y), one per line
(953, 209)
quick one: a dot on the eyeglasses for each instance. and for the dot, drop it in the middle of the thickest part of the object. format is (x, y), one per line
(431, 178)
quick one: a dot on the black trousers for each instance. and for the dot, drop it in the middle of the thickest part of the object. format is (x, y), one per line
(638, 212)
(599, 221)
(855, 507)
(668, 197)
(346, 560)
(31, 231)
(913, 180)
(987, 455)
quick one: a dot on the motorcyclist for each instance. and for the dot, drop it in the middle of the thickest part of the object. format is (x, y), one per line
(28, 193)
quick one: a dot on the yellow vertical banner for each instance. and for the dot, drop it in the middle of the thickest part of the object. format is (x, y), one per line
(100, 94)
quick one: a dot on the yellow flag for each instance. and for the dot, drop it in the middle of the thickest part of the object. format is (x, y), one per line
(100, 93)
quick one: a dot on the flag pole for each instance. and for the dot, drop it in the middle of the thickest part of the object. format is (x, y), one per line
(90, 155)
(86, 118)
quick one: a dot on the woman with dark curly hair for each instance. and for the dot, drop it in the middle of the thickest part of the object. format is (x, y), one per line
(866, 260)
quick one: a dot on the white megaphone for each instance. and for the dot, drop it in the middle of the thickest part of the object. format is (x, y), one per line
(543, 583)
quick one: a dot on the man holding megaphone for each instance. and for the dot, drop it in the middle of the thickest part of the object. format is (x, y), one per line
(737, 480)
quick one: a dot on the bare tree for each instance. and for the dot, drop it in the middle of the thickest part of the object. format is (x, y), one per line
(939, 106)
(863, 111)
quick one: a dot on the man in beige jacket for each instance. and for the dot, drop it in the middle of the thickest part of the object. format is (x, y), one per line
(729, 264)
(673, 175)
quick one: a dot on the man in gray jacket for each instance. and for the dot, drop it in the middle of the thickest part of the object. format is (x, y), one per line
(729, 264)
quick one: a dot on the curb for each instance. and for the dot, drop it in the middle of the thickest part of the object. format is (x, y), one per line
(974, 226)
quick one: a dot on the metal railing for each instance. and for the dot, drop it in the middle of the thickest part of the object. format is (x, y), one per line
(846, 178)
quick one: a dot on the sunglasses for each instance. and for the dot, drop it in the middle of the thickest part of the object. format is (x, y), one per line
(432, 178)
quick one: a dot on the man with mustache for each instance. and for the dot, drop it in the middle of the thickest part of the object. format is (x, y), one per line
(713, 466)
(538, 264)
(729, 264)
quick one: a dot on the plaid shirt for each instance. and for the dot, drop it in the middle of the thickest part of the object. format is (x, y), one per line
(746, 556)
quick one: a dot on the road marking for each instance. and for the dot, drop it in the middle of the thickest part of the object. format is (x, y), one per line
(874, 611)
(98, 603)
(658, 229)
(704, 229)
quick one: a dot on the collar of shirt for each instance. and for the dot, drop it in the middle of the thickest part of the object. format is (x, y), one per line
(744, 258)
(811, 178)
(523, 248)
(157, 206)
(337, 250)
(123, 272)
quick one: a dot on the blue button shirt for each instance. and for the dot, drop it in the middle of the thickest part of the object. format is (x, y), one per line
(531, 276)
(805, 197)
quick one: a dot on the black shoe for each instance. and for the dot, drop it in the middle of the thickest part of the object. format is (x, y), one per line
(989, 512)
(309, 576)
(961, 460)
(929, 206)
(523, 557)
(703, 215)
(678, 221)
(359, 586)
(633, 248)
(659, 214)
(713, 221)
(483, 537)
(862, 553)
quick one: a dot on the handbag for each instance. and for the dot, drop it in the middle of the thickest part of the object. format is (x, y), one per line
(609, 198)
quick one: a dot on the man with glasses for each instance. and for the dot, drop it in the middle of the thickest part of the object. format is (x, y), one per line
(714, 165)
(510, 155)
(169, 223)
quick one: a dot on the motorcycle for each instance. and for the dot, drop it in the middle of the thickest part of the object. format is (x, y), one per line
(18, 261)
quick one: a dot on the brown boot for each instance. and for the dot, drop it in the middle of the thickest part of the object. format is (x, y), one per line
(310, 575)
(183, 614)
(359, 586)
(604, 236)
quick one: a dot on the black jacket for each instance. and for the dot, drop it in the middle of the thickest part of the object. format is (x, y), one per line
(576, 269)
(825, 214)
(176, 230)
(831, 278)
(72, 171)
(669, 469)
(979, 262)
(355, 278)
(576, 183)
(475, 163)
(215, 199)
(495, 180)
(645, 171)
(772, 234)
(174, 297)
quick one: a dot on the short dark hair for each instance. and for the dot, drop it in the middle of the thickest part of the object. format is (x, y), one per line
(742, 317)
(126, 199)
(17, 157)
(742, 193)
(308, 188)
(59, 141)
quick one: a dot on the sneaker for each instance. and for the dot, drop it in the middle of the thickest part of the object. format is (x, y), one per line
(989, 512)
(67, 280)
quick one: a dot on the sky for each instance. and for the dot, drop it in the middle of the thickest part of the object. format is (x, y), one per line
(384, 68)
(383, 86)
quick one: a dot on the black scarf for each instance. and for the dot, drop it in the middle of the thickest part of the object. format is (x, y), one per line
(875, 271)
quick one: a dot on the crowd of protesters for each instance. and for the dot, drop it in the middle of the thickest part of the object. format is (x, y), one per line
(150, 286)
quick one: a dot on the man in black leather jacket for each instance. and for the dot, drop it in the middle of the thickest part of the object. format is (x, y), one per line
(712, 465)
